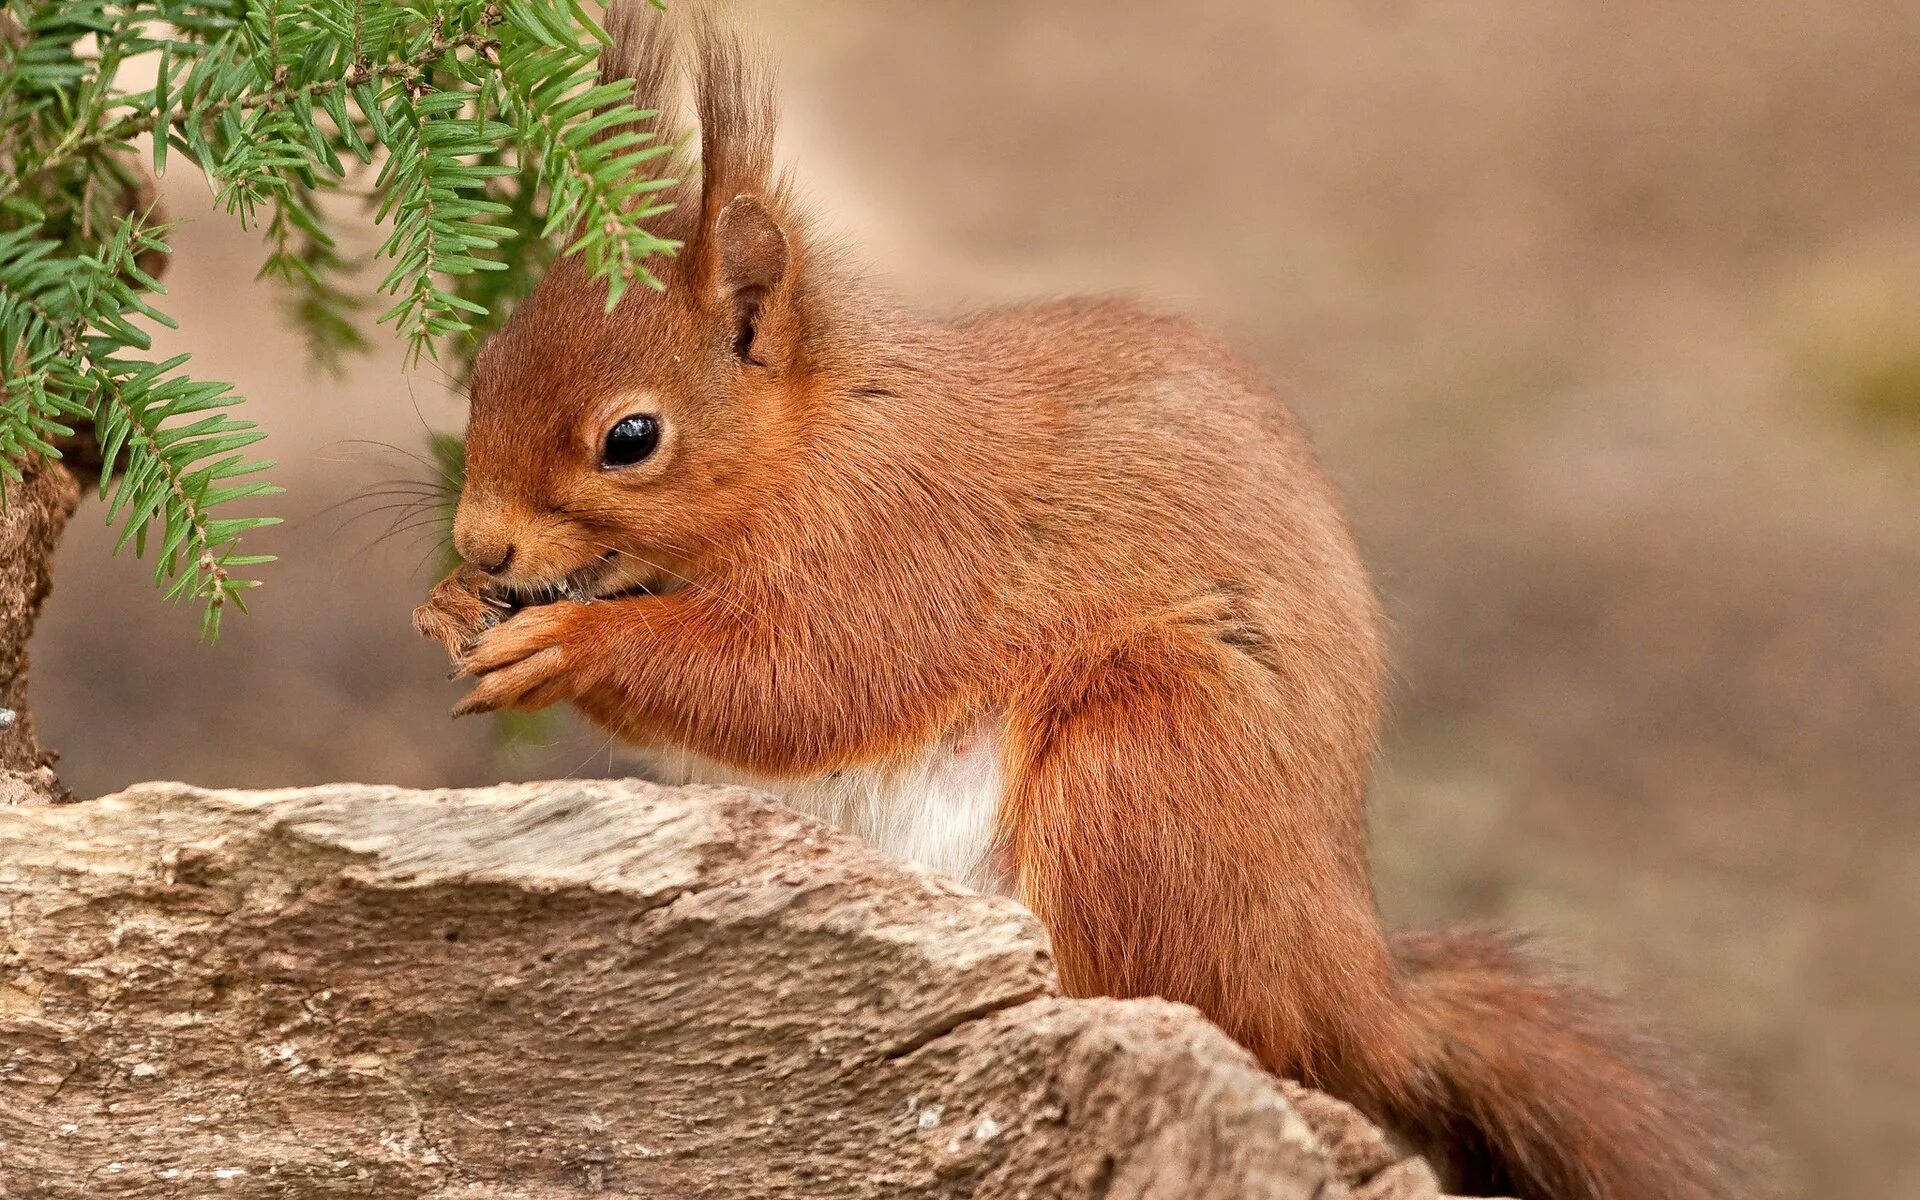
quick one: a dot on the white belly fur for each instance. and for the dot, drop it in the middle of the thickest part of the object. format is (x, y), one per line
(936, 807)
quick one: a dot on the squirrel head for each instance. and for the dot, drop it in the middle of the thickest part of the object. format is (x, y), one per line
(612, 451)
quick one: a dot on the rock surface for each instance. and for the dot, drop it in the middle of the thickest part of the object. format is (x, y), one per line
(584, 989)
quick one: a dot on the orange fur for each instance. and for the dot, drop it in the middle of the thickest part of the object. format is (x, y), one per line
(865, 530)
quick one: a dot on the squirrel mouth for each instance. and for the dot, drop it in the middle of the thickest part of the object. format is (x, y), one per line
(605, 580)
(600, 579)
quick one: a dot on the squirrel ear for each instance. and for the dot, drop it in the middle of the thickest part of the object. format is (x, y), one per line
(752, 260)
(753, 254)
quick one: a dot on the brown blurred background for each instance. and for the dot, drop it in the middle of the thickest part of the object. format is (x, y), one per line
(1607, 317)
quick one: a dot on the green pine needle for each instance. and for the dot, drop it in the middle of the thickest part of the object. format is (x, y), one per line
(480, 126)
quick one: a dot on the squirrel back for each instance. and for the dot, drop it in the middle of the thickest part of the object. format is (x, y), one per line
(807, 535)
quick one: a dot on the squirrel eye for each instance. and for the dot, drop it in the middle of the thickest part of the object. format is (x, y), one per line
(632, 439)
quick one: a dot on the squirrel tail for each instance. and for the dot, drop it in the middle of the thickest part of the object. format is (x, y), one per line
(1532, 1086)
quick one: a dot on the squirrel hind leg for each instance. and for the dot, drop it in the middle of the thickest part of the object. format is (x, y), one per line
(1164, 831)
(1156, 828)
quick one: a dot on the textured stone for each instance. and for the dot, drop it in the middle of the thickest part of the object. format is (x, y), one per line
(580, 989)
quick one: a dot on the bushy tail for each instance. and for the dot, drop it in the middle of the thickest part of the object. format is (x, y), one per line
(1533, 1087)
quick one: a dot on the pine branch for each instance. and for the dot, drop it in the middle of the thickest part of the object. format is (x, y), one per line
(71, 317)
(491, 134)
(410, 71)
(596, 181)
(164, 482)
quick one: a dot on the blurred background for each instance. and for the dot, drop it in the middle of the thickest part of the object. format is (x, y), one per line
(1607, 317)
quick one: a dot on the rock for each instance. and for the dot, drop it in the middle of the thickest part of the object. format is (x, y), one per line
(583, 989)
(1361, 1156)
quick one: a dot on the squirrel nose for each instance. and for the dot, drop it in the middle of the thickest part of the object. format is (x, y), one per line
(481, 552)
(483, 536)
(493, 561)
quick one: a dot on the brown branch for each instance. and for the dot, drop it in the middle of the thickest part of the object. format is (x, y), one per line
(35, 514)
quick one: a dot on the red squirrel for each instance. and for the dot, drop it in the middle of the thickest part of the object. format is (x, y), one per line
(1053, 598)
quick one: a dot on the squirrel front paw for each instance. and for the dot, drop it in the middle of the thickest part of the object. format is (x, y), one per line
(458, 611)
(528, 662)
